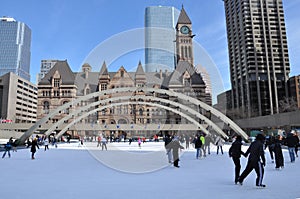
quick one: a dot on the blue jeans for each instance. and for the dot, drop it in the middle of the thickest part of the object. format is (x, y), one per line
(292, 153)
(198, 153)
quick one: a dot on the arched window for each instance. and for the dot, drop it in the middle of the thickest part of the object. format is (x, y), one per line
(46, 107)
(140, 111)
(66, 111)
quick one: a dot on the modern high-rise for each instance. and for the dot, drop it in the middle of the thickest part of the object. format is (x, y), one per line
(160, 36)
(15, 42)
(258, 55)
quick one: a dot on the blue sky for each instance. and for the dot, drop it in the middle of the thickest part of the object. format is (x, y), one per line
(67, 29)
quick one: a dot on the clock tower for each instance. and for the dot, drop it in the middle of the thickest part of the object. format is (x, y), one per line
(184, 38)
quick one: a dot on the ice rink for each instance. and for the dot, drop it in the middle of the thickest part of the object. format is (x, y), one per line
(127, 171)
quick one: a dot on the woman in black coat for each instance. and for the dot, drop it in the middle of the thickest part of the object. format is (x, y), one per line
(279, 161)
(34, 145)
(235, 152)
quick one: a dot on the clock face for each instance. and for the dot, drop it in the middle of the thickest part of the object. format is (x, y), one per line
(184, 30)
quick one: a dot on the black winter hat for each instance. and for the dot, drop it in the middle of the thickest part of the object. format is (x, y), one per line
(260, 137)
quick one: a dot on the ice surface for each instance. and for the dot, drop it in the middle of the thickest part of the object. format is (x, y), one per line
(127, 171)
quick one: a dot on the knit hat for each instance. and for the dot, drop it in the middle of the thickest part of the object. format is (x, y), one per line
(260, 137)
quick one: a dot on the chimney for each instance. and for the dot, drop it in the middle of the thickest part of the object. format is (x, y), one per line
(160, 74)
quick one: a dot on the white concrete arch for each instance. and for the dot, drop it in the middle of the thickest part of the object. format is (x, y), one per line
(202, 128)
(139, 98)
(181, 96)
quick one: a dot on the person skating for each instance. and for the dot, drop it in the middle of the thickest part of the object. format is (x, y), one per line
(219, 143)
(256, 161)
(175, 146)
(103, 143)
(235, 152)
(34, 145)
(279, 160)
(270, 142)
(291, 143)
(198, 145)
(168, 140)
(7, 149)
(46, 144)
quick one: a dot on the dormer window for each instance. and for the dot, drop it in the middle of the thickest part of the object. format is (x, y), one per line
(56, 82)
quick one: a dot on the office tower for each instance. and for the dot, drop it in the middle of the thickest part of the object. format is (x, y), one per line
(46, 65)
(15, 41)
(18, 99)
(258, 55)
(160, 35)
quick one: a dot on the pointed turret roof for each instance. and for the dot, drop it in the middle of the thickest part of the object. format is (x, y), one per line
(140, 70)
(103, 70)
(183, 17)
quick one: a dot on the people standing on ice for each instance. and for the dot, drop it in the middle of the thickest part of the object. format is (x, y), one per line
(13, 144)
(103, 143)
(34, 145)
(139, 142)
(291, 143)
(279, 160)
(99, 141)
(168, 140)
(187, 141)
(256, 160)
(219, 144)
(208, 141)
(202, 151)
(46, 144)
(235, 152)
(297, 143)
(270, 142)
(198, 145)
(175, 146)
(7, 149)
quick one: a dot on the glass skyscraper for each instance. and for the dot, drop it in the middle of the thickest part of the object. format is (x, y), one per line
(15, 41)
(160, 36)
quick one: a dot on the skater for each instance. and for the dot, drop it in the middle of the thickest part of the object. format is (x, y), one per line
(103, 143)
(279, 160)
(297, 145)
(270, 142)
(13, 144)
(202, 151)
(7, 149)
(208, 140)
(99, 141)
(198, 145)
(139, 142)
(219, 143)
(34, 145)
(256, 161)
(235, 152)
(291, 143)
(46, 144)
(168, 140)
(175, 146)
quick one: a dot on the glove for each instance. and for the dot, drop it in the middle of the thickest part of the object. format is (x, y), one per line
(264, 164)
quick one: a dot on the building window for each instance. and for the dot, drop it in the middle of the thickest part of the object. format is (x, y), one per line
(103, 87)
(56, 82)
(122, 73)
(46, 107)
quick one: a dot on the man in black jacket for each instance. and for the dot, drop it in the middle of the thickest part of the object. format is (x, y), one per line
(256, 161)
(235, 152)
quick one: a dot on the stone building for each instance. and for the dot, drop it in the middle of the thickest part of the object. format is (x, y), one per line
(60, 85)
